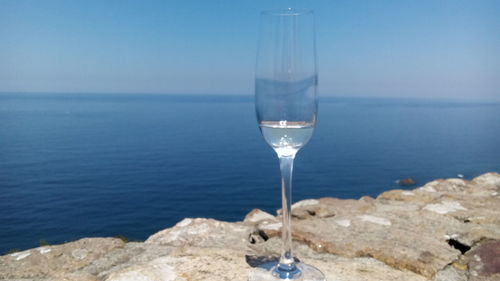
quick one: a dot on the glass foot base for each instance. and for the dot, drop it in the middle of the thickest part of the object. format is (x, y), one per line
(267, 272)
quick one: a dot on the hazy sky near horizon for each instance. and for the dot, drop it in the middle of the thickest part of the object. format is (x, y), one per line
(425, 48)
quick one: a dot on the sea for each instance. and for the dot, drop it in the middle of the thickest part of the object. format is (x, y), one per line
(129, 165)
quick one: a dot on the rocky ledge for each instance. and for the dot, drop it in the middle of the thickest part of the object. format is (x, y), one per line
(446, 230)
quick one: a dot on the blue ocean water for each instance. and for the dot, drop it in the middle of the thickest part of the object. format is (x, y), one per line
(79, 165)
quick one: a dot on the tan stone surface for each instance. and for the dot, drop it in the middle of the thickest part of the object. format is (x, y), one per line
(204, 233)
(404, 229)
(53, 261)
(199, 264)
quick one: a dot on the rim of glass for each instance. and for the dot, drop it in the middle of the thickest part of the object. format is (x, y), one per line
(286, 12)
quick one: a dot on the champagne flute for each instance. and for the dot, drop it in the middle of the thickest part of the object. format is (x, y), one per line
(286, 107)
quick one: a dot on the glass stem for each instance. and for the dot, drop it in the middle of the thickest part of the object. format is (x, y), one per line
(287, 262)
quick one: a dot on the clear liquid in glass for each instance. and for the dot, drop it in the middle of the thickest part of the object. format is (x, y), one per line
(286, 137)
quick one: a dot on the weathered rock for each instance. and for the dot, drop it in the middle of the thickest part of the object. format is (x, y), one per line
(312, 211)
(133, 253)
(405, 229)
(204, 233)
(446, 230)
(156, 270)
(77, 276)
(188, 263)
(192, 263)
(485, 262)
(57, 261)
(418, 196)
(256, 216)
(336, 268)
(406, 182)
(451, 273)
(328, 207)
(390, 239)
(489, 181)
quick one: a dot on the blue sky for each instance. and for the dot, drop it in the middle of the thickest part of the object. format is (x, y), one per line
(425, 48)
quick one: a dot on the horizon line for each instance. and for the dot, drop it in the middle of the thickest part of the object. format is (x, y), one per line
(225, 94)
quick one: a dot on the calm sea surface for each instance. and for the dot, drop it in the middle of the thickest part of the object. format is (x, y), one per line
(81, 165)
